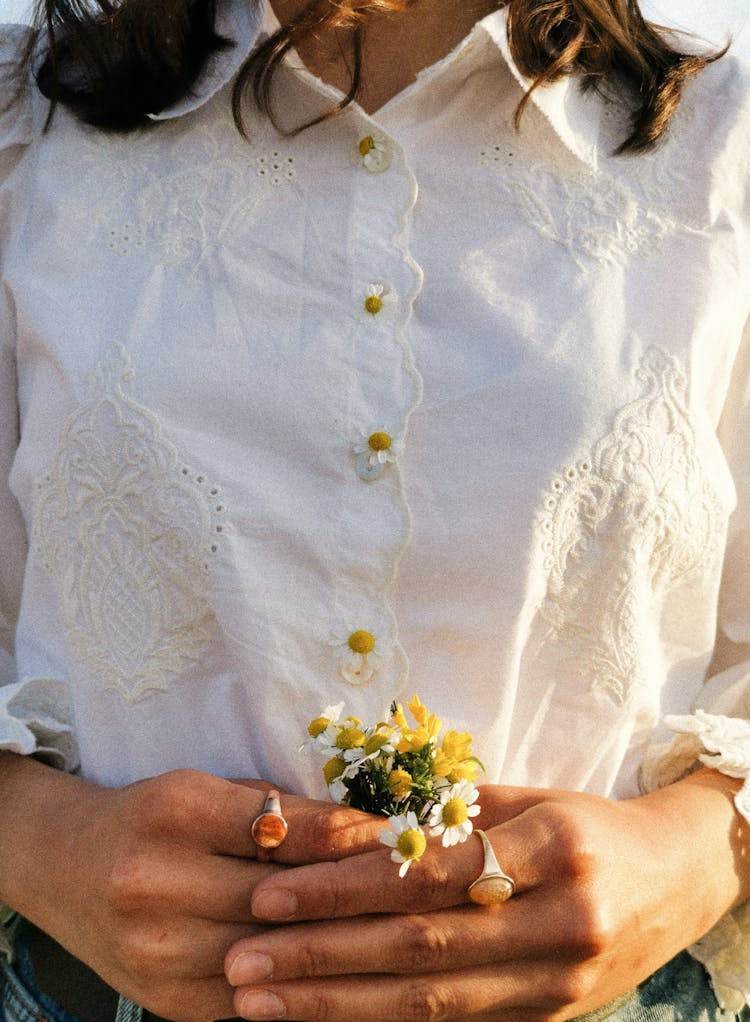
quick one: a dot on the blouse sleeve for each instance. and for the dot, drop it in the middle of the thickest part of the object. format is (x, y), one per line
(35, 713)
(717, 734)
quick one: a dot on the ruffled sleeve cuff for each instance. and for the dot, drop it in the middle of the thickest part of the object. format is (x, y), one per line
(724, 744)
(715, 741)
(36, 719)
(725, 955)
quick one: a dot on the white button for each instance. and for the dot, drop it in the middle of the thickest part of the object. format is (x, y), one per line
(375, 451)
(375, 153)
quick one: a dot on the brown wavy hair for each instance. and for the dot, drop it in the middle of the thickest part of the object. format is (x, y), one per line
(114, 63)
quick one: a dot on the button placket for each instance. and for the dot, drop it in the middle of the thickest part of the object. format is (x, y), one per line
(384, 281)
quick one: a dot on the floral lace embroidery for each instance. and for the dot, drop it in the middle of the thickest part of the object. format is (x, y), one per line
(184, 195)
(596, 214)
(624, 527)
(127, 532)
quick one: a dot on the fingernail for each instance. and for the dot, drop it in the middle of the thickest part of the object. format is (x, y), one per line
(275, 905)
(260, 1004)
(250, 967)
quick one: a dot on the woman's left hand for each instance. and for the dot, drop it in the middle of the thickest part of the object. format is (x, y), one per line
(605, 894)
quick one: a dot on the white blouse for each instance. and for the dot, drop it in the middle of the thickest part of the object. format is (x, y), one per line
(404, 403)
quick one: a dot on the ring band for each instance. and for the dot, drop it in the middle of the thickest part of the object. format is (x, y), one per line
(492, 886)
(269, 828)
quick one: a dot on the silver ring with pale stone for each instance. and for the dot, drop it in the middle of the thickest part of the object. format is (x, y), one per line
(492, 886)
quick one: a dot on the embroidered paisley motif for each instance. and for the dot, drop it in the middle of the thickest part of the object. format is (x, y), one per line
(127, 532)
(624, 527)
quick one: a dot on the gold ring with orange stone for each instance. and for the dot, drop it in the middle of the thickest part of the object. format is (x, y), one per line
(269, 828)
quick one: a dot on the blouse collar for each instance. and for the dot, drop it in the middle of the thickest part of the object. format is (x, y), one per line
(573, 113)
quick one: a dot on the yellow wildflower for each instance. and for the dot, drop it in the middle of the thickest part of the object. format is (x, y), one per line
(400, 782)
(415, 739)
(464, 771)
(424, 718)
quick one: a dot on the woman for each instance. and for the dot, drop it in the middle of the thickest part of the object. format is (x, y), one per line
(405, 357)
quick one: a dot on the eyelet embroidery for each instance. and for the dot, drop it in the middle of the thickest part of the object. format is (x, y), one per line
(594, 214)
(275, 167)
(622, 528)
(158, 189)
(128, 535)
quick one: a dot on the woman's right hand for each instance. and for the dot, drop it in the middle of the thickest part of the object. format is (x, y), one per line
(150, 884)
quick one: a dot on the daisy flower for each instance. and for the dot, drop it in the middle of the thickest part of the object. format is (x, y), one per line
(377, 297)
(451, 815)
(324, 730)
(377, 745)
(338, 792)
(374, 153)
(406, 838)
(358, 657)
(375, 450)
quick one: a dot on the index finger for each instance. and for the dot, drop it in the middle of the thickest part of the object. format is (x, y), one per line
(317, 830)
(370, 883)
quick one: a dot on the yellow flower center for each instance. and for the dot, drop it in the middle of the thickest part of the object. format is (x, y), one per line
(366, 145)
(317, 727)
(400, 783)
(379, 441)
(455, 812)
(411, 844)
(361, 642)
(334, 768)
(373, 304)
(350, 738)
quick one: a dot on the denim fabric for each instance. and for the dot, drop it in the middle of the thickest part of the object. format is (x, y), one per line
(20, 1000)
(679, 992)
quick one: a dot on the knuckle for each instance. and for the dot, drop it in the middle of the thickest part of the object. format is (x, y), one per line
(323, 835)
(128, 882)
(571, 848)
(570, 986)
(427, 1001)
(140, 956)
(172, 802)
(590, 930)
(178, 798)
(311, 960)
(425, 945)
(320, 1008)
(430, 883)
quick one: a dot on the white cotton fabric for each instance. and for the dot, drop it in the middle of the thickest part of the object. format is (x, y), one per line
(553, 552)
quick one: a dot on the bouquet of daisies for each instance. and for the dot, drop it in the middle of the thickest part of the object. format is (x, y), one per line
(423, 783)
